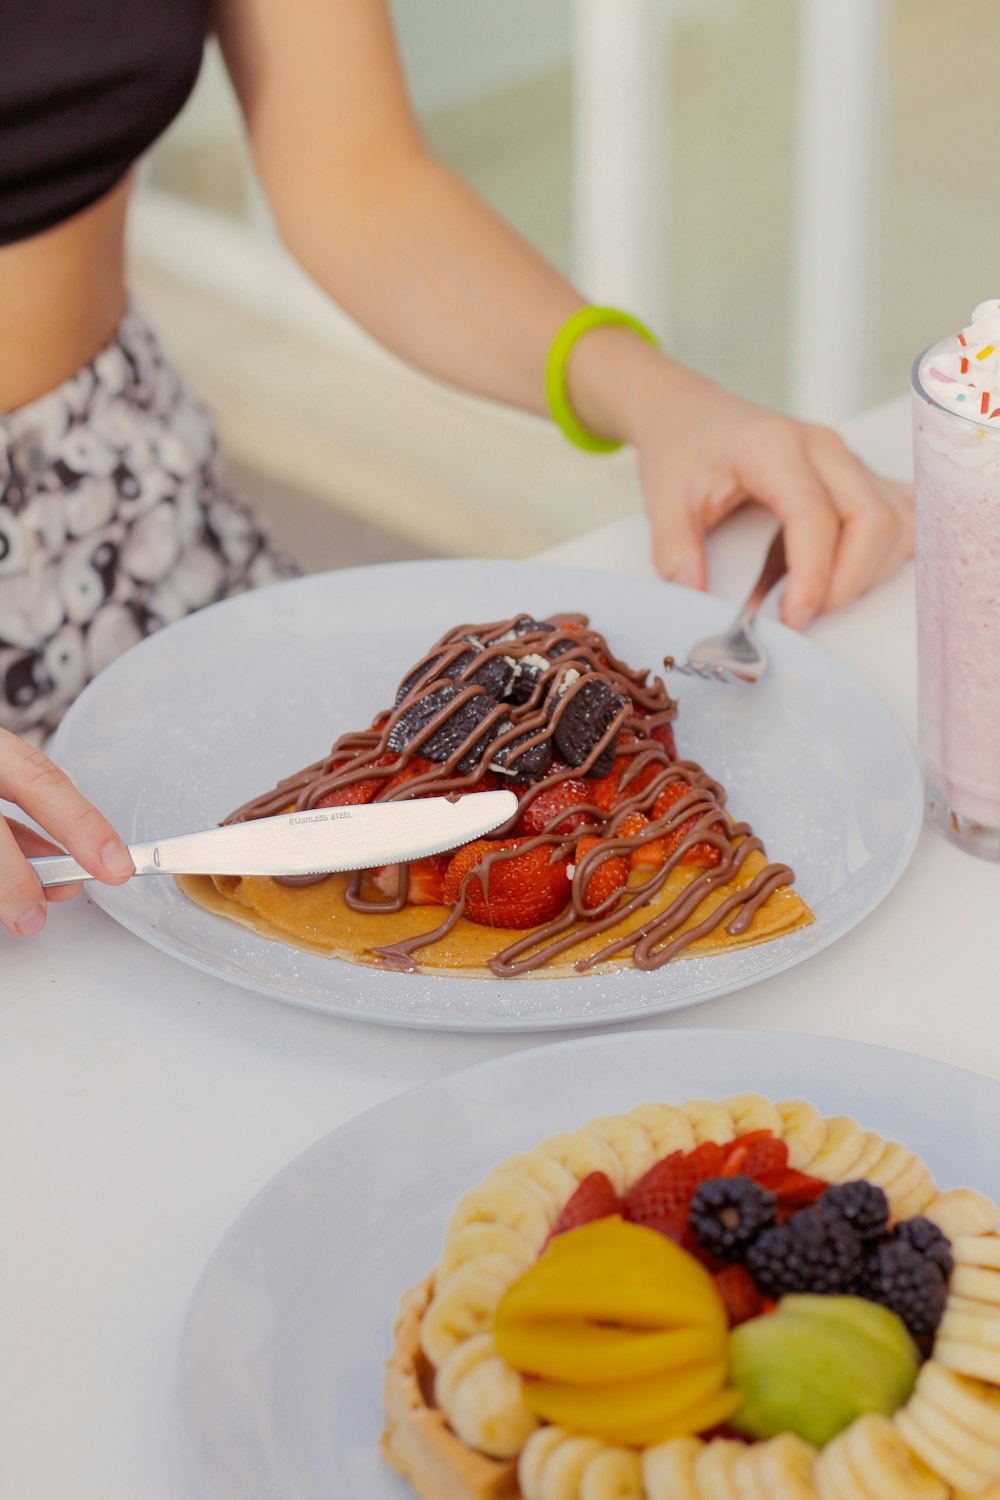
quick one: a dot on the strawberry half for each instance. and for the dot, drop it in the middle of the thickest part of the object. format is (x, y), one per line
(595, 1198)
(759, 1155)
(740, 1294)
(650, 854)
(662, 1197)
(524, 890)
(699, 853)
(542, 813)
(607, 878)
(356, 793)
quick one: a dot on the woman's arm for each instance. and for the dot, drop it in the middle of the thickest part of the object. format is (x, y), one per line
(412, 254)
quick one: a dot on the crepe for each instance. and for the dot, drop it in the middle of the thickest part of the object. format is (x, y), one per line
(317, 918)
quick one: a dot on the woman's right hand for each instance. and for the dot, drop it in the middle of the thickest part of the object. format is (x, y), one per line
(30, 780)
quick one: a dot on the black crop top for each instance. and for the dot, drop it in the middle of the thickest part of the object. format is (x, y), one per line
(85, 87)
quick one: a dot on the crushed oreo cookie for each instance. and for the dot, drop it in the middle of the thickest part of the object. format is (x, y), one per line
(455, 729)
(585, 720)
(523, 766)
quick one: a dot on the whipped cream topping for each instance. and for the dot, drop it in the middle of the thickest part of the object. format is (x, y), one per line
(962, 373)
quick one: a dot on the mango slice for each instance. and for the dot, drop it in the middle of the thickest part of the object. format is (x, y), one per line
(622, 1336)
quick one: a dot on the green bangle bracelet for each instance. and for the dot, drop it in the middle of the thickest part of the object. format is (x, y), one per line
(555, 371)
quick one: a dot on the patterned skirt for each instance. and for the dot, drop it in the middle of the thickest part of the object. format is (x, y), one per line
(115, 520)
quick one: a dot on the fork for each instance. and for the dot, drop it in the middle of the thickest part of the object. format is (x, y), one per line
(736, 656)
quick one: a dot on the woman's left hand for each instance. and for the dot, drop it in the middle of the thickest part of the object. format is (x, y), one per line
(705, 452)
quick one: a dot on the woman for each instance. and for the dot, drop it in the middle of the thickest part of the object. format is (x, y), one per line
(114, 513)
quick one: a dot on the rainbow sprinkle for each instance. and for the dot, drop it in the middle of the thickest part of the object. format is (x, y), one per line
(984, 353)
(984, 405)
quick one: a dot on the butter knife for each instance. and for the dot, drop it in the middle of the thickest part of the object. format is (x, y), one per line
(320, 840)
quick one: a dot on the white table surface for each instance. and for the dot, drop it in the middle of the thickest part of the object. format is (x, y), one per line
(142, 1104)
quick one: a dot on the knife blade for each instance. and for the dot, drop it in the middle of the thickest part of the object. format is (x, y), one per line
(322, 839)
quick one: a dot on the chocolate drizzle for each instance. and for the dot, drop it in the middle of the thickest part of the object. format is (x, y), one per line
(547, 665)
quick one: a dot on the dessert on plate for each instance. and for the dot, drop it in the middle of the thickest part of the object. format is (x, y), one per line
(724, 1300)
(621, 852)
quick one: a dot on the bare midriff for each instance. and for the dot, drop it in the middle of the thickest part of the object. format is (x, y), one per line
(62, 295)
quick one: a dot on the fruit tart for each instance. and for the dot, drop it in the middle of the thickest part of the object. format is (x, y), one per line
(620, 852)
(723, 1300)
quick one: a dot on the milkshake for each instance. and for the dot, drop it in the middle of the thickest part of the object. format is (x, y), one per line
(956, 434)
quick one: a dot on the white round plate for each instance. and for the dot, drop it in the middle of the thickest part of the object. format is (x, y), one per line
(218, 707)
(281, 1366)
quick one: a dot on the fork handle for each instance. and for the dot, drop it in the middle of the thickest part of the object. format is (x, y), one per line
(775, 567)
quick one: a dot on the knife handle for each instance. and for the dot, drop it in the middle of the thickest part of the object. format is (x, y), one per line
(62, 869)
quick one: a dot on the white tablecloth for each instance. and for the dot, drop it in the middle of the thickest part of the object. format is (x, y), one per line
(142, 1103)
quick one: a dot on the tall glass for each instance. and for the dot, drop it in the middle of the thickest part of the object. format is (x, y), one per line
(957, 478)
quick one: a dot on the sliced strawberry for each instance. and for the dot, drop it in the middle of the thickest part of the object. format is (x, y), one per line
(699, 853)
(356, 793)
(793, 1189)
(665, 734)
(604, 789)
(662, 1196)
(524, 890)
(739, 1292)
(595, 1198)
(606, 879)
(542, 813)
(651, 853)
(758, 1154)
(413, 768)
(426, 886)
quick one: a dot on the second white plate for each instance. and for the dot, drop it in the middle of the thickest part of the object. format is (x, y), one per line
(218, 707)
(281, 1373)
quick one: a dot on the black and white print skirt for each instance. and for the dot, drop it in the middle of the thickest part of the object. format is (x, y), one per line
(115, 520)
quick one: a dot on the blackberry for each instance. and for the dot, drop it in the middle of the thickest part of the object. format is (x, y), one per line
(928, 1240)
(815, 1251)
(862, 1204)
(456, 730)
(728, 1213)
(901, 1279)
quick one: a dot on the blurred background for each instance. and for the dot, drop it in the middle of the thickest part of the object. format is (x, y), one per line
(798, 194)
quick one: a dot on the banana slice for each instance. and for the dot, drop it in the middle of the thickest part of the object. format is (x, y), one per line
(514, 1204)
(487, 1411)
(891, 1164)
(713, 1469)
(834, 1475)
(564, 1468)
(970, 1447)
(710, 1121)
(668, 1469)
(786, 1465)
(535, 1454)
(882, 1462)
(479, 1241)
(803, 1130)
(977, 1250)
(460, 1310)
(613, 1475)
(462, 1360)
(845, 1141)
(978, 1360)
(871, 1153)
(542, 1171)
(627, 1139)
(913, 1185)
(666, 1127)
(908, 1199)
(963, 1211)
(754, 1112)
(979, 1282)
(972, 1323)
(949, 1466)
(581, 1153)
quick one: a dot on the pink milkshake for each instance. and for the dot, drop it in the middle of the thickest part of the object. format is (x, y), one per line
(956, 434)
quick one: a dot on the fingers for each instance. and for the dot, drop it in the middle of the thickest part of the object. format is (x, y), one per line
(781, 475)
(32, 845)
(22, 900)
(872, 533)
(678, 540)
(30, 780)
